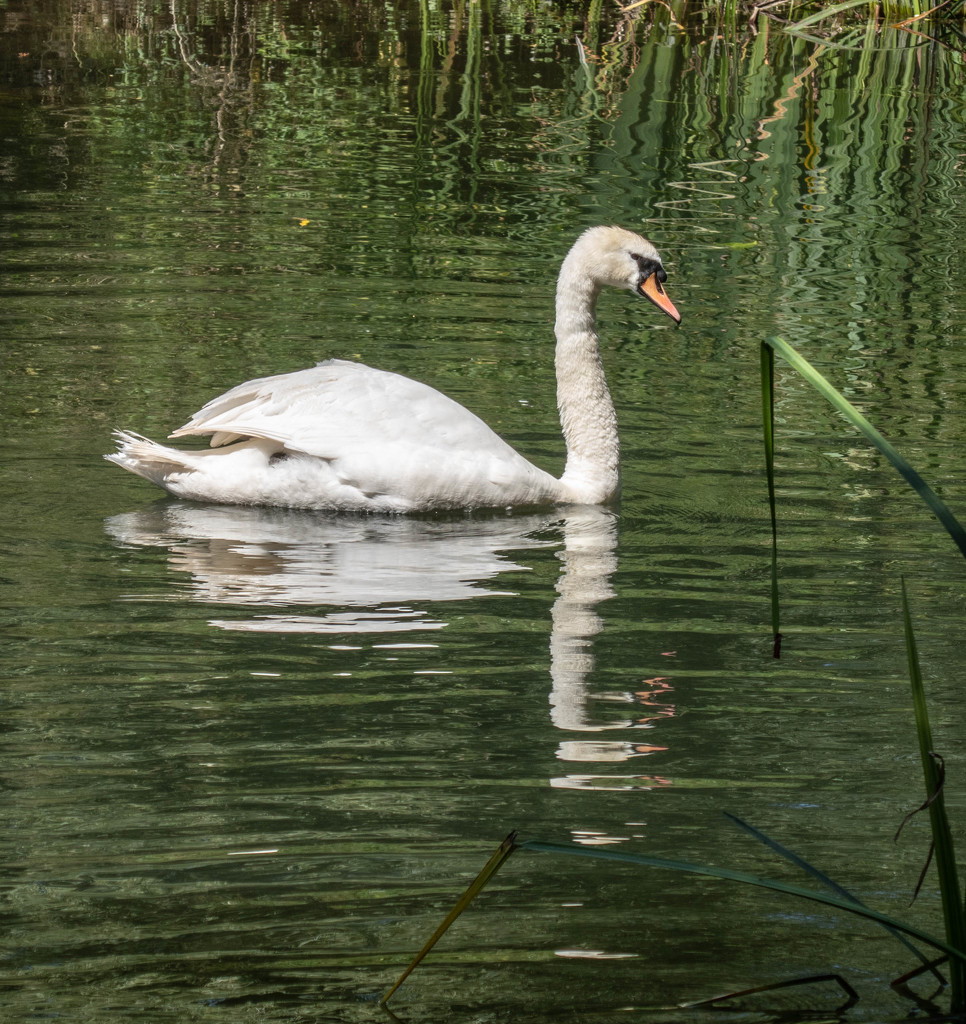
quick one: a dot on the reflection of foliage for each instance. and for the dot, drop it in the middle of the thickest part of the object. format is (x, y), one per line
(462, 100)
(448, 119)
(856, 24)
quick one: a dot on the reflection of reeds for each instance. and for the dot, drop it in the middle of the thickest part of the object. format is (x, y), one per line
(456, 120)
(854, 24)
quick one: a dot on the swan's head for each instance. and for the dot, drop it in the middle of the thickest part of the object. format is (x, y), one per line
(622, 259)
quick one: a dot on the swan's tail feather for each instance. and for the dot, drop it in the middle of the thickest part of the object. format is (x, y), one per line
(147, 458)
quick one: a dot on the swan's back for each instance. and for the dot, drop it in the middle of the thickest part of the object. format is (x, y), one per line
(388, 438)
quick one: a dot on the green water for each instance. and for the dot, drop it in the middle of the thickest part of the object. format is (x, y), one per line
(252, 757)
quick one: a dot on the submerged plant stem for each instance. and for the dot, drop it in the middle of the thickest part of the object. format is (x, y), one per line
(489, 869)
(768, 429)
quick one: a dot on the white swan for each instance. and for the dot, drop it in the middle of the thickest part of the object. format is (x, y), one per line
(343, 436)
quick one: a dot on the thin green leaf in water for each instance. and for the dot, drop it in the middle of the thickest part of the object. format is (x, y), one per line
(830, 883)
(953, 952)
(954, 914)
(826, 12)
(489, 869)
(834, 44)
(768, 431)
(938, 507)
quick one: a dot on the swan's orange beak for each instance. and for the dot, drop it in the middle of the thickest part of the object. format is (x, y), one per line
(651, 289)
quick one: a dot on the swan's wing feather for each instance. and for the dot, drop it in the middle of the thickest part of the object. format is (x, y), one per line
(382, 433)
(335, 406)
(269, 407)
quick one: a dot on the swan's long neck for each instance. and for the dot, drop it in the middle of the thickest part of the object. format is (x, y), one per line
(592, 473)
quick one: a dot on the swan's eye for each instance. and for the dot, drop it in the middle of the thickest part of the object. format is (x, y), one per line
(646, 267)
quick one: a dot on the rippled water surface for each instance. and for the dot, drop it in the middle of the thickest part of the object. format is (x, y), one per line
(251, 757)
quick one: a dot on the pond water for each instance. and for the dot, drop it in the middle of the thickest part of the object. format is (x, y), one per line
(252, 757)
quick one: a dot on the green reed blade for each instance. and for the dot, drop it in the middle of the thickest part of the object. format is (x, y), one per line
(938, 507)
(954, 914)
(831, 884)
(953, 952)
(828, 12)
(768, 431)
(489, 869)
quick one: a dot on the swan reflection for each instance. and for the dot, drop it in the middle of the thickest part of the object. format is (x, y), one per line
(372, 574)
(376, 564)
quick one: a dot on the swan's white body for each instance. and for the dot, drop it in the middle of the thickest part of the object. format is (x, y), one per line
(343, 436)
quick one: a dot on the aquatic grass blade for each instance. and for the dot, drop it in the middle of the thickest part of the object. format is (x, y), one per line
(954, 914)
(831, 884)
(792, 857)
(826, 12)
(489, 869)
(935, 503)
(768, 431)
(953, 952)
